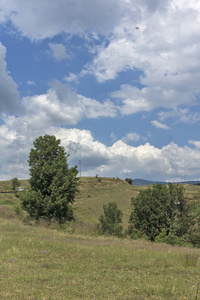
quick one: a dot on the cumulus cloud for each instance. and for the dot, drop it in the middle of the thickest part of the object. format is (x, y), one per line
(160, 125)
(9, 95)
(164, 48)
(195, 143)
(133, 100)
(60, 16)
(62, 106)
(171, 162)
(58, 51)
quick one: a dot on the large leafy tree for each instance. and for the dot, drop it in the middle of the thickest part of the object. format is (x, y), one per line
(160, 207)
(53, 184)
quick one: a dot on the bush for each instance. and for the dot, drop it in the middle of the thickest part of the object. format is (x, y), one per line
(111, 220)
(170, 238)
(136, 234)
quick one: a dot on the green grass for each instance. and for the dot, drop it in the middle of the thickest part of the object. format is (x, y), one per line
(94, 194)
(38, 262)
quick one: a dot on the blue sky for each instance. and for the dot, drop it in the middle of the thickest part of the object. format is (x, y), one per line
(116, 80)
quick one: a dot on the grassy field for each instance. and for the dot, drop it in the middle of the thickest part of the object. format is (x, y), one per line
(38, 262)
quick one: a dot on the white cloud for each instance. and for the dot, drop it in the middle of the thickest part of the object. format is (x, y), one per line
(160, 125)
(62, 106)
(118, 56)
(195, 143)
(133, 100)
(126, 171)
(31, 82)
(145, 161)
(165, 48)
(40, 19)
(58, 51)
(131, 136)
(183, 114)
(72, 77)
(9, 95)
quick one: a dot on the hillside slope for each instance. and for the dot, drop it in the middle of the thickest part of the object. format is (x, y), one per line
(94, 193)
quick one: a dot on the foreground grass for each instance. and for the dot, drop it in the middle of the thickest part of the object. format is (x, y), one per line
(40, 263)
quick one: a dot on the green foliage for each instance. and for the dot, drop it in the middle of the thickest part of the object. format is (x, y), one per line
(53, 184)
(129, 180)
(136, 234)
(111, 220)
(160, 209)
(193, 235)
(170, 238)
(15, 184)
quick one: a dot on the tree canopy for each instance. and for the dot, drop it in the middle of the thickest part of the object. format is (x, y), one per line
(53, 184)
(160, 207)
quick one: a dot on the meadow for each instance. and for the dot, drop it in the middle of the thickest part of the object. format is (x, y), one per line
(39, 261)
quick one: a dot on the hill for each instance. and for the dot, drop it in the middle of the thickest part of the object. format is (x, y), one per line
(42, 261)
(94, 193)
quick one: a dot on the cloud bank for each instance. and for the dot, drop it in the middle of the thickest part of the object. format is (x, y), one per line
(171, 162)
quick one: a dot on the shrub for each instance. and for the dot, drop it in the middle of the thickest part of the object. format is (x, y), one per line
(110, 221)
(15, 185)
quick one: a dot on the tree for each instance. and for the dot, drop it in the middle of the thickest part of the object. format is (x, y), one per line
(129, 180)
(111, 220)
(53, 184)
(15, 184)
(160, 207)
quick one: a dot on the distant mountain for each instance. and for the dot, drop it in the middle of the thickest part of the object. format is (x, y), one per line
(148, 182)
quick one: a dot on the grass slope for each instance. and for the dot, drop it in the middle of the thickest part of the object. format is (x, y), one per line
(42, 263)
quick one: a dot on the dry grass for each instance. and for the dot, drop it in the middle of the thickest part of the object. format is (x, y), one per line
(38, 262)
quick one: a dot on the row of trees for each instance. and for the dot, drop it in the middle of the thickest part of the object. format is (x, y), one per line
(159, 213)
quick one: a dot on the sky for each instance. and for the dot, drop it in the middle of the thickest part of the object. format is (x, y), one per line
(117, 81)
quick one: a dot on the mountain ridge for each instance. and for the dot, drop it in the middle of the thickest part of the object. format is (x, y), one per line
(148, 182)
